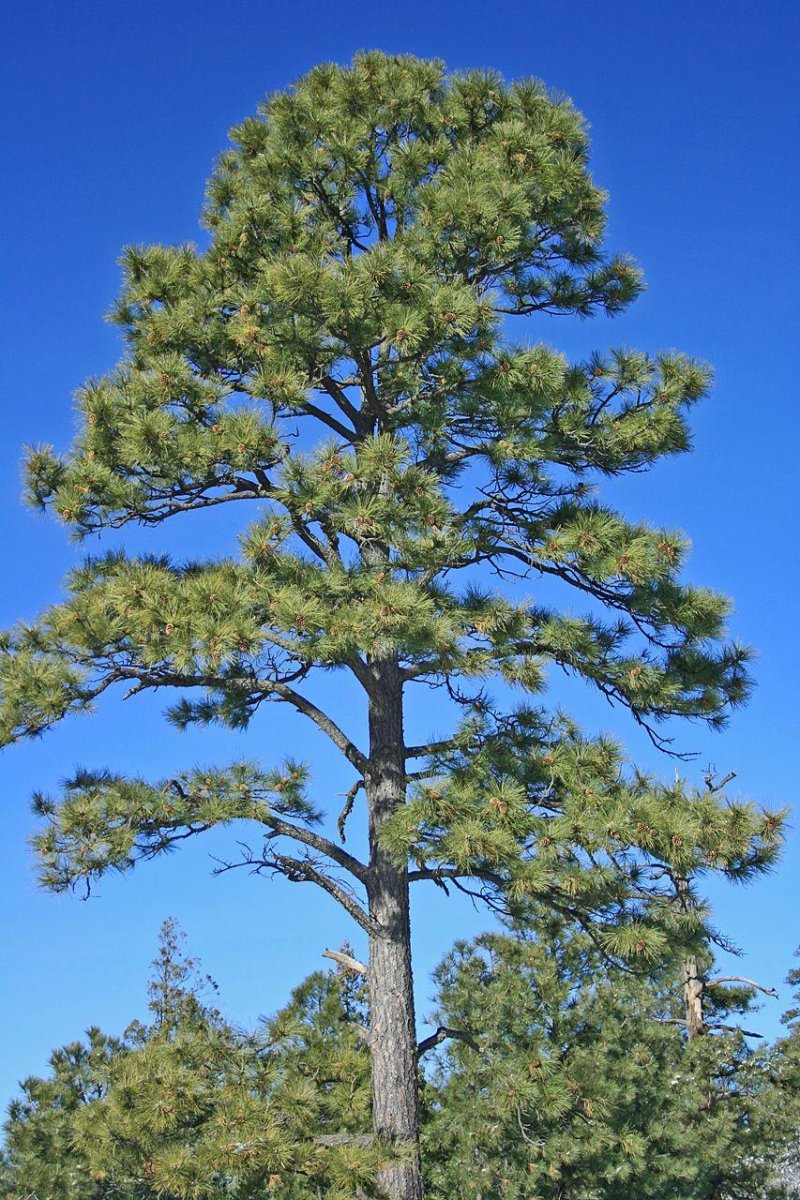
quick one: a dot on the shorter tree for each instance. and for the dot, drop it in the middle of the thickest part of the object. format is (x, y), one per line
(187, 1107)
(568, 1075)
(784, 1111)
(40, 1158)
(578, 1080)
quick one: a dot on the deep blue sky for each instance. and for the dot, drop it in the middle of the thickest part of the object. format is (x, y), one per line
(112, 114)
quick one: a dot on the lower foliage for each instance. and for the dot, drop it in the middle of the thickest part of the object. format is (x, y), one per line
(564, 1077)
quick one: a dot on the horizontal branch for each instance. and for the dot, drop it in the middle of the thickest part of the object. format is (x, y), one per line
(345, 1139)
(759, 987)
(442, 1034)
(160, 508)
(437, 874)
(429, 748)
(710, 1025)
(736, 1029)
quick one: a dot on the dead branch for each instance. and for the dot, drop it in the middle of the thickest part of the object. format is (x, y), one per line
(349, 801)
(759, 987)
(346, 960)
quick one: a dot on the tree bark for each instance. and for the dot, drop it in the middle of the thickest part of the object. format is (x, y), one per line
(693, 986)
(693, 998)
(393, 1042)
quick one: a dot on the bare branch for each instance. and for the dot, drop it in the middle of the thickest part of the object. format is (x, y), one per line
(317, 841)
(346, 960)
(441, 1035)
(768, 991)
(710, 1025)
(302, 870)
(324, 550)
(717, 787)
(328, 419)
(736, 1029)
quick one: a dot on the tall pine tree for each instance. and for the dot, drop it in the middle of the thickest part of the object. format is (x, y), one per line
(335, 359)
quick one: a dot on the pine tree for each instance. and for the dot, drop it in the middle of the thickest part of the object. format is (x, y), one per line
(48, 1153)
(783, 1118)
(335, 357)
(569, 1077)
(40, 1159)
(576, 1081)
(186, 1106)
(202, 1109)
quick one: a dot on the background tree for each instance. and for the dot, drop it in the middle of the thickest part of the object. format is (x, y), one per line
(577, 1082)
(783, 1117)
(204, 1110)
(40, 1158)
(370, 233)
(186, 1106)
(570, 1077)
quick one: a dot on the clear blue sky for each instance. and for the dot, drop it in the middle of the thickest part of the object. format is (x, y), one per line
(112, 113)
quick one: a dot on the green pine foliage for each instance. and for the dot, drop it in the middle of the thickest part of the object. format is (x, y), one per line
(40, 1158)
(368, 234)
(578, 1081)
(202, 1110)
(783, 1117)
(188, 1107)
(562, 1075)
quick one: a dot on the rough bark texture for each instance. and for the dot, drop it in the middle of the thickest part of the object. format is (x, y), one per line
(393, 1029)
(693, 998)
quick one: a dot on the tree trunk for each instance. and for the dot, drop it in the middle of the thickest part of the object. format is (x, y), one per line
(693, 998)
(693, 986)
(395, 1098)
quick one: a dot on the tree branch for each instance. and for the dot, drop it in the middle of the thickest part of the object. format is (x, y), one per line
(337, 393)
(435, 874)
(345, 1139)
(317, 841)
(429, 748)
(347, 961)
(768, 991)
(266, 687)
(312, 410)
(298, 870)
(347, 808)
(322, 721)
(441, 1035)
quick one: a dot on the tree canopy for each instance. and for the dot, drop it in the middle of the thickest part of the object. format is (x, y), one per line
(568, 1079)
